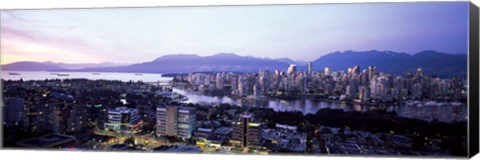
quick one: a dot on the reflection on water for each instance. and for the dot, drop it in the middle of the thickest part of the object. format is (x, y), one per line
(446, 113)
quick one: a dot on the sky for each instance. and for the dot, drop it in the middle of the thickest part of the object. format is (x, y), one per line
(298, 32)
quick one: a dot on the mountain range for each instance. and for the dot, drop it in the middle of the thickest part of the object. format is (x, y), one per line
(185, 63)
(48, 66)
(85, 65)
(432, 62)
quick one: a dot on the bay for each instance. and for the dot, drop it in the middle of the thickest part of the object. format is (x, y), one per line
(445, 112)
(42, 75)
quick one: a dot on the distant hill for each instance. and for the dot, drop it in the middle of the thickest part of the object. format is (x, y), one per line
(432, 62)
(85, 65)
(30, 66)
(186, 63)
(290, 61)
(47, 66)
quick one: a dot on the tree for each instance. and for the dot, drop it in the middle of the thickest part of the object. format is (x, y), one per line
(129, 141)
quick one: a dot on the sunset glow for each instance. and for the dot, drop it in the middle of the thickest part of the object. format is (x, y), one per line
(134, 35)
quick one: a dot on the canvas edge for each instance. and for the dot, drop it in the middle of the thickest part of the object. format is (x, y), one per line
(473, 106)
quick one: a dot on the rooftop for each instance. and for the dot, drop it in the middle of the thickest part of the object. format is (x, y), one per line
(178, 148)
(246, 115)
(123, 109)
(178, 107)
(224, 130)
(47, 141)
(204, 129)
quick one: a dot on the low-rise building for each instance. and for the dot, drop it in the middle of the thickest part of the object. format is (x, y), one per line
(48, 141)
(203, 133)
(124, 120)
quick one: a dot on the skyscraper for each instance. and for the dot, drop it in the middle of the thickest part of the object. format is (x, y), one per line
(310, 69)
(264, 81)
(292, 69)
(242, 86)
(371, 72)
(219, 80)
(419, 72)
(327, 71)
(175, 121)
(355, 69)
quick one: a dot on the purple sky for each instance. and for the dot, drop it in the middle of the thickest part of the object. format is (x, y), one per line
(299, 32)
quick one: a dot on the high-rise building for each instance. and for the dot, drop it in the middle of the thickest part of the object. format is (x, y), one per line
(13, 111)
(327, 71)
(175, 121)
(233, 81)
(219, 80)
(246, 132)
(371, 72)
(257, 90)
(379, 87)
(38, 115)
(186, 119)
(242, 86)
(356, 70)
(310, 68)
(97, 114)
(264, 81)
(69, 118)
(363, 94)
(419, 72)
(292, 69)
(276, 73)
(123, 119)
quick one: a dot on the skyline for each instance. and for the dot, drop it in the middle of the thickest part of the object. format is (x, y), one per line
(275, 31)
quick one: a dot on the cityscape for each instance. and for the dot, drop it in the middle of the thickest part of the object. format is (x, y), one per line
(275, 85)
(82, 114)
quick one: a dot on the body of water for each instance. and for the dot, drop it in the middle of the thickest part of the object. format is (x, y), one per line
(444, 112)
(125, 77)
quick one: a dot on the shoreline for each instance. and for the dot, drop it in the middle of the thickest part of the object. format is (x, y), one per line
(324, 99)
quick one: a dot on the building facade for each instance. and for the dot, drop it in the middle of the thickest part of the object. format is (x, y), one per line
(69, 118)
(124, 120)
(175, 121)
(13, 114)
(246, 132)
